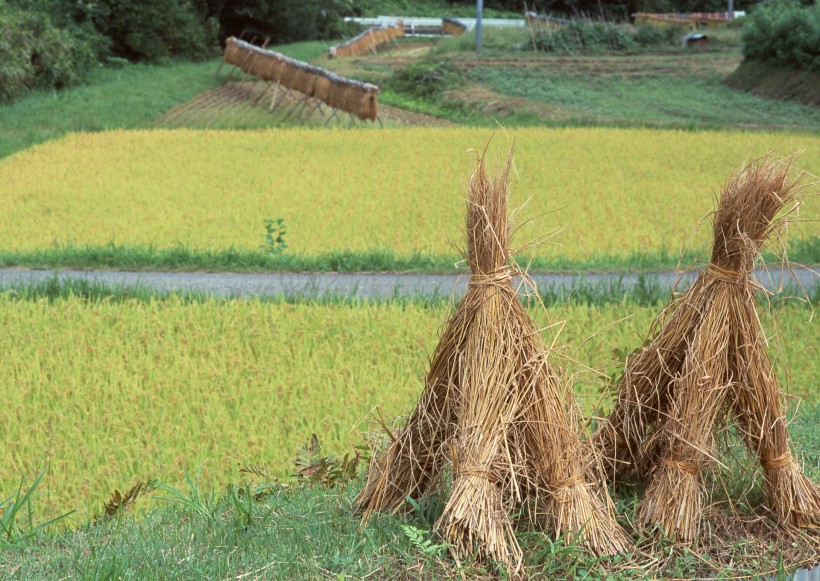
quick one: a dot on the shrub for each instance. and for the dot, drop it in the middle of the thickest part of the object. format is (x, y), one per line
(651, 35)
(585, 35)
(151, 30)
(35, 53)
(784, 33)
(426, 79)
(283, 22)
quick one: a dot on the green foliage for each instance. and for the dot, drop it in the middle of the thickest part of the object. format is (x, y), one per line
(17, 525)
(584, 35)
(203, 504)
(275, 231)
(328, 471)
(281, 22)
(426, 79)
(35, 53)
(423, 543)
(784, 33)
(155, 29)
(650, 35)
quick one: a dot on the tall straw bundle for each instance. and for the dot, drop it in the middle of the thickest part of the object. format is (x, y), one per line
(289, 74)
(273, 71)
(233, 54)
(707, 362)
(350, 98)
(302, 81)
(322, 88)
(368, 105)
(496, 413)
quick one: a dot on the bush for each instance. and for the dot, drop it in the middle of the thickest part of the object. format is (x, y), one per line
(426, 79)
(35, 53)
(785, 34)
(151, 30)
(585, 35)
(284, 22)
(651, 35)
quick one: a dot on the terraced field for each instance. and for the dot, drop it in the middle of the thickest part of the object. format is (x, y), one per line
(616, 192)
(108, 393)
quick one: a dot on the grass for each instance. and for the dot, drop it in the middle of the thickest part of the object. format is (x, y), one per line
(185, 259)
(364, 192)
(115, 97)
(261, 528)
(654, 98)
(104, 388)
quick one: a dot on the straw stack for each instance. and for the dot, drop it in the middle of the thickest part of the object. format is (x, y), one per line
(708, 363)
(368, 41)
(351, 96)
(452, 27)
(495, 414)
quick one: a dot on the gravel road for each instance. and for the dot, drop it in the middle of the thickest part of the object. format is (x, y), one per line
(361, 286)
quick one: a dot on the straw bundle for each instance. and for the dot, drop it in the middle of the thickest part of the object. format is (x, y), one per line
(355, 97)
(708, 362)
(368, 41)
(322, 88)
(368, 106)
(496, 413)
(452, 27)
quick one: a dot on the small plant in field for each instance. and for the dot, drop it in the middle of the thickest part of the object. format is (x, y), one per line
(421, 540)
(120, 502)
(329, 471)
(14, 530)
(275, 231)
(195, 500)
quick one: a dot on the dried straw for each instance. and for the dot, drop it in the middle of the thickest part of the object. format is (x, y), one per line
(351, 96)
(706, 363)
(496, 413)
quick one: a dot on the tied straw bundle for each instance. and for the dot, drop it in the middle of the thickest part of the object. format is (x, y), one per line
(706, 363)
(495, 411)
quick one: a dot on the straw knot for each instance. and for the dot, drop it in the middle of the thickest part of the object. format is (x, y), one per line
(724, 274)
(688, 467)
(779, 462)
(499, 277)
(477, 473)
(574, 480)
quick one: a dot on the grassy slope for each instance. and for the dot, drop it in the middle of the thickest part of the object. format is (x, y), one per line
(129, 96)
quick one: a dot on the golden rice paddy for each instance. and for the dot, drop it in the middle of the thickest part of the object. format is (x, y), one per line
(615, 191)
(104, 394)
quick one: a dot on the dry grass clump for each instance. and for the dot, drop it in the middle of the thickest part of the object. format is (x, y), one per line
(706, 364)
(496, 414)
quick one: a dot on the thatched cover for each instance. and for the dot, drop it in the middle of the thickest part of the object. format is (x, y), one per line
(355, 97)
(707, 363)
(496, 414)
